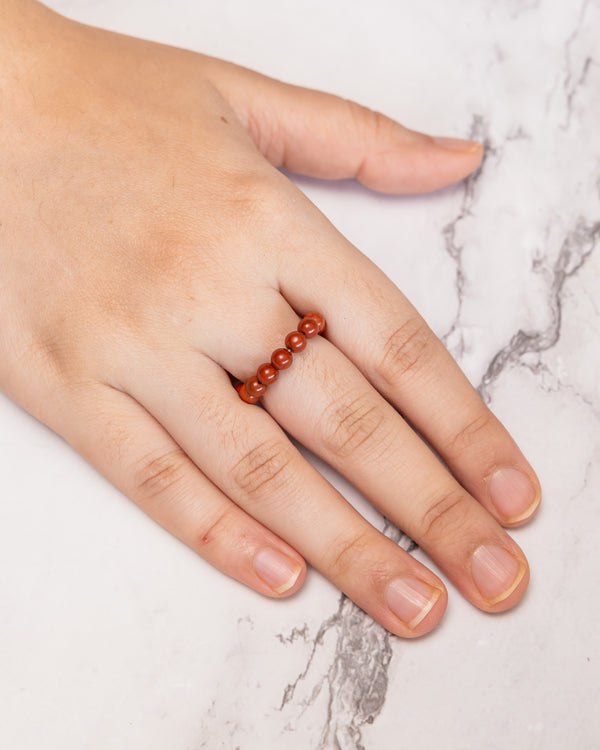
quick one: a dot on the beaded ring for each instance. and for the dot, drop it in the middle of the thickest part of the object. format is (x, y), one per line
(311, 325)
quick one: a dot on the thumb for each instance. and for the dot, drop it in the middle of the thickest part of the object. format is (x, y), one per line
(321, 135)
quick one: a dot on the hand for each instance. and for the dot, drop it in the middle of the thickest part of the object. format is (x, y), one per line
(149, 247)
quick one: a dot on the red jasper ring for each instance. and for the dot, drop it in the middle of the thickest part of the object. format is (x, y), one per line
(311, 325)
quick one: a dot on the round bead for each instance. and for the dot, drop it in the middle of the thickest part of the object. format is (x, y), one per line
(309, 327)
(267, 374)
(295, 341)
(255, 388)
(318, 318)
(281, 359)
(244, 395)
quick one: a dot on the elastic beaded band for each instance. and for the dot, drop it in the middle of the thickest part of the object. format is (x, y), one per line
(311, 325)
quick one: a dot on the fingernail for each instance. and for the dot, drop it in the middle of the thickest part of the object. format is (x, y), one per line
(277, 570)
(457, 144)
(411, 599)
(496, 572)
(513, 495)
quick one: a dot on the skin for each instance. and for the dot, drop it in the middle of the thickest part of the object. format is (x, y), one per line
(149, 247)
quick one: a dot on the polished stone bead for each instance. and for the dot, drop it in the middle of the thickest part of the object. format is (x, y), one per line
(309, 327)
(255, 388)
(281, 359)
(296, 341)
(267, 374)
(244, 395)
(318, 318)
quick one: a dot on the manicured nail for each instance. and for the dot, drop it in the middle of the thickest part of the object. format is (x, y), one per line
(277, 570)
(457, 144)
(513, 495)
(411, 599)
(496, 572)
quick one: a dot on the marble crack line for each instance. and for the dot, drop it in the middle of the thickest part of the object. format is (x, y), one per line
(357, 677)
(480, 131)
(524, 7)
(294, 635)
(572, 82)
(576, 248)
(539, 368)
(591, 464)
(288, 693)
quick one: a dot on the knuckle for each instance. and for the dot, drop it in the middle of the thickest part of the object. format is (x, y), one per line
(380, 126)
(471, 434)
(352, 424)
(52, 349)
(408, 350)
(162, 256)
(160, 474)
(445, 516)
(254, 200)
(206, 409)
(265, 130)
(368, 123)
(346, 555)
(264, 470)
(49, 351)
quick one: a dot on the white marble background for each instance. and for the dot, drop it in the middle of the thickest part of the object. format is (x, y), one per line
(113, 636)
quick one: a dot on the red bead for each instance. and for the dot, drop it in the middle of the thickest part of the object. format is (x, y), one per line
(255, 388)
(318, 318)
(244, 395)
(267, 374)
(281, 359)
(296, 341)
(309, 327)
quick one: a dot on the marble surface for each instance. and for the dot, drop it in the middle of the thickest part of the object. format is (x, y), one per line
(113, 636)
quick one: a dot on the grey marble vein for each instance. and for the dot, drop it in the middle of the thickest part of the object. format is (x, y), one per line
(576, 73)
(576, 249)
(479, 130)
(355, 680)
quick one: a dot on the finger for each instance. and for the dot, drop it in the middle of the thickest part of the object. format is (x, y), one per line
(318, 134)
(381, 332)
(134, 452)
(251, 460)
